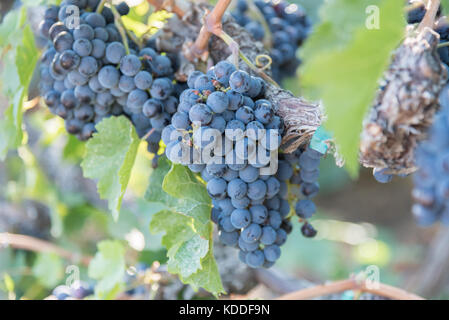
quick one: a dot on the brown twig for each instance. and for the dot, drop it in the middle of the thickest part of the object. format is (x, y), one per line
(19, 241)
(167, 5)
(212, 25)
(350, 284)
(431, 13)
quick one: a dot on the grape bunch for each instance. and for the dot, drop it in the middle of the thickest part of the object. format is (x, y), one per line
(431, 181)
(288, 25)
(228, 133)
(88, 74)
(69, 69)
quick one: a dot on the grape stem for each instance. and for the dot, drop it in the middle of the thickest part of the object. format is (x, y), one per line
(381, 289)
(259, 71)
(429, 17)
(19, 241)
(101, 6)
(212, 25)
(124, 31)
(168, 5)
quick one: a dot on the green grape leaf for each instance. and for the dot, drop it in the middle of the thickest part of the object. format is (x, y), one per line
(110, 156)
(185, 222)
(11, 125)
(345, 74)
(445, 6)
(179, 191)
(108, 267)
(26, 56)
(20, 64)
(48, 269)
(208, 277)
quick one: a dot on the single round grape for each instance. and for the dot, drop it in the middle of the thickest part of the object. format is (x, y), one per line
(95, 20)
(305, 208)
(216, 188)
(200, 113)
(269, 236)
(161, 89)
(240, 218)
(229, 238)
(273, 187)
(257, 190)
(246, 246)
(223, 71)
(237, 189)
(308, 231)
(83, 47)
(143, 80)
(87, 131)
(235, 100)
(255, 259)
(127, 84)
(84, 113)
(63, 41)
(249, 174)
(240, 81)
(115, 51)
(272, 253)
(218, 101)
(264, 113)
(241, 203)
(180, 120)
(235, 130)
(88, 66)
(136, 100)
(252, 233)
(130, 65)
(245, 114)
(74, 126)
(56, 29)
(76, 78)
(98, 48)
(105, 99)
(152, 107)
(84, 94)
(109, 77)
(204, 83)
(259, 214)
(216, 169)
(84, 31)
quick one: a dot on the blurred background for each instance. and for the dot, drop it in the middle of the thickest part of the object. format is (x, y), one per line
(43, 195)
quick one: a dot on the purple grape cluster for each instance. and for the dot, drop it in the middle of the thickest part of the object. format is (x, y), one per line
(289, 27)
(222, 130)
(431, 191)
(87, 73)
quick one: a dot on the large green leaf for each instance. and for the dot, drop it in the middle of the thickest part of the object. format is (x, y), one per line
(20, 62)
(345, 73)
(185, 222)
(48, 269)
(110, 156)
(108, 267)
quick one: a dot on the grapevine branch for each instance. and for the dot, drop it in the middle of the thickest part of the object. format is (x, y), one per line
(431, 13)
(24, 242)
(381, 289)
(212, 25)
